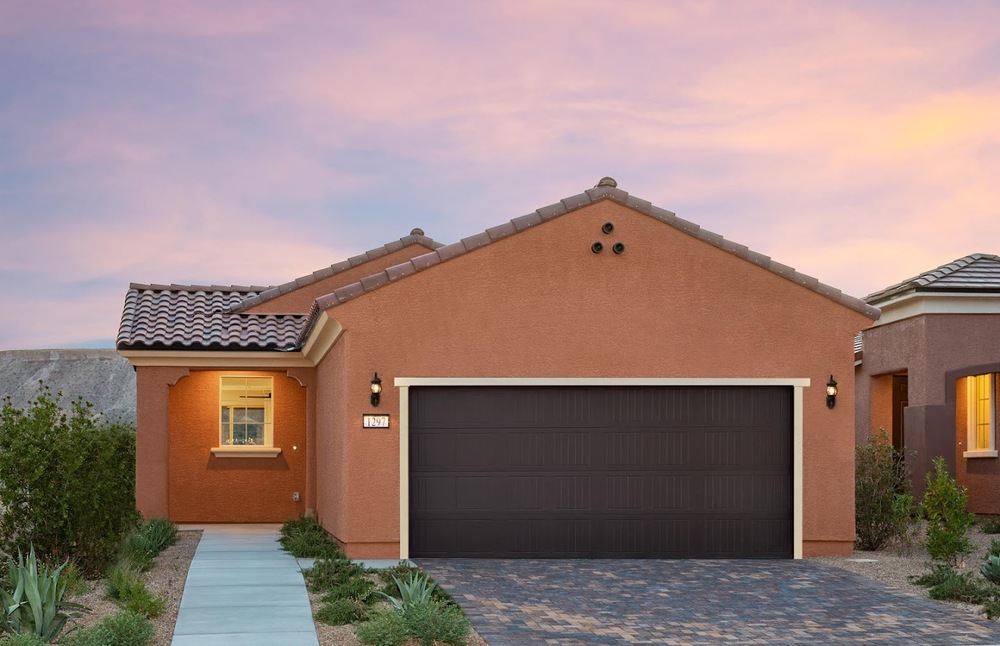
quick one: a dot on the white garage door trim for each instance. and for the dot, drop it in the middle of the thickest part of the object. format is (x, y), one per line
(404, 384)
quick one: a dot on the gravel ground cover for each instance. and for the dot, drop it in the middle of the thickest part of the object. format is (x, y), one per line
(894, 566)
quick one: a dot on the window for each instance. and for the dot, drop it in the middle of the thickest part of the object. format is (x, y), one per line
(981, 426)
(246, 413)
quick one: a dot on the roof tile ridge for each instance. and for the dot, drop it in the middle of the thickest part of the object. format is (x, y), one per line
(336, 268)
(926, 278)
(568, 205)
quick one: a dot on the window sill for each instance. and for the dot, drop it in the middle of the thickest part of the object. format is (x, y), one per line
(980, 453)
(246, 451)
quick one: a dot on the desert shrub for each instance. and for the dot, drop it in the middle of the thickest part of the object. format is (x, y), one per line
(304, 537)
(432, 622)
(73, 579)
(994, 549)
(938, 573)
(144, 544)
(126, 587)
(990, 526)
(357, 588)
(124, 628)
(404, 571)
(384, 627)
(23, 640)
(991, 568)
(883, 506)
(338, 612)
(409, 592)
(960, 586)
(67, 482)
(328, 574)
(944, 506)
(991, 607)
(33, 599)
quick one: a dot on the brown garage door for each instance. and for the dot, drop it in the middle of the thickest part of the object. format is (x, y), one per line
(601, 472)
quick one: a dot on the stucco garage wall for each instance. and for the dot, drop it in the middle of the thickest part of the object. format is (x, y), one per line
(205, 488)
(541, 304)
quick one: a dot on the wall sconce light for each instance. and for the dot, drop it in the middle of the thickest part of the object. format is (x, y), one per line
(831, 393)
(376, 390)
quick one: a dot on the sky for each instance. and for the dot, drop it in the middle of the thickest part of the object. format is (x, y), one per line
(252, 142)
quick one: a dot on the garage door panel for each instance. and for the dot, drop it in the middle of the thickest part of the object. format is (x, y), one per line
(618, 472)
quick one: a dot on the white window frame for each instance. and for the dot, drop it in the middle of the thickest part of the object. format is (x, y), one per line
(973, 419)
(228, 401)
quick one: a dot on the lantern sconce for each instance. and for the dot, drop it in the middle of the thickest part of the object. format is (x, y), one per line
(376, 390)
(831, 393)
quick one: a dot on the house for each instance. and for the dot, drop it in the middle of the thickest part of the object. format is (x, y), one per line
(596, 378)
(927, 373)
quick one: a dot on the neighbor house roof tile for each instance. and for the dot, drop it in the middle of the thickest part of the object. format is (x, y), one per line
(978, 272)
(198, 317)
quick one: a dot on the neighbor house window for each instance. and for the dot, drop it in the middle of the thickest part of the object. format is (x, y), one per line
(246, 411)
(981, 425)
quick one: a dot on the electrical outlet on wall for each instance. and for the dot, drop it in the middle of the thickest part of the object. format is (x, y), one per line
(295, 496)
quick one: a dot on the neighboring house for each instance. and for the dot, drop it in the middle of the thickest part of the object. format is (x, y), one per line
(100, 377)
(595, 378)
(927, 373)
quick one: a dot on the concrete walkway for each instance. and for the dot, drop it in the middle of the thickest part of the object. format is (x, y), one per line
(243, 589)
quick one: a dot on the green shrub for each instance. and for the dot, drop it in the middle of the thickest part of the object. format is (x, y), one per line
(159, 534)
(129, 591)
(338, 612)
(73, 580)
(991, 608)
(938, 573)
(23, 640)
(306, 538)
(328, 574)
(124, 628)
(358, 588)
(994, 549)
(944, 506)
(433, 622)
(67, 482)
(32, 598)
(384, 627)
(990, 526)
(403, 571)
(960, 587)
(883, 506)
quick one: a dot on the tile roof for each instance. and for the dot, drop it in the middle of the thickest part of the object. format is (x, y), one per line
(196, 317)
(416, 237)
(978, 272)
(606, 189)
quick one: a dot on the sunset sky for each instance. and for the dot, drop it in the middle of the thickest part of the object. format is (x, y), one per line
(251, 142)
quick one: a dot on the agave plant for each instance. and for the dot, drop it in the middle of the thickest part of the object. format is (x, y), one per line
(33, 599)
(417, 589)
(991, 569)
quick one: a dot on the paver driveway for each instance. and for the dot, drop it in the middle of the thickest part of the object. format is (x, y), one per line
(527, 602)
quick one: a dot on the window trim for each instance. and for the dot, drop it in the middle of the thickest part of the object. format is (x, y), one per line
(972, 402)
(266, 450)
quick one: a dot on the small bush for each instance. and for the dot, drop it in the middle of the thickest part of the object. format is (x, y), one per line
(306, 538)
(73, 580)
(944, 505)
(67, 482)
(328, 574)
(357, 588)
(159, 534)
(404, 571)
(384, 627)
(994, 548)
(129, 591)
(991, 608)
(938, 574)
(124, 628)
(883, 506)
(415, 590)
(991, 568)
(338, 612)
(433, 622)
(960, 587)
(23, 639)
(990, 526)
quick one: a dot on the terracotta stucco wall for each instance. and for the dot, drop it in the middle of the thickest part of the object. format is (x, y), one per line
(929, 347)
(205, 488)
(301, 299)
(541, 304)
(152, 447)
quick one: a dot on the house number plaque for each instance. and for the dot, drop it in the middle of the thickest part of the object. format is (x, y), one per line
(369, 420)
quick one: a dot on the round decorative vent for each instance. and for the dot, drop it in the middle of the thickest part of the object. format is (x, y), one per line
(597, 247)
(619, 248)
